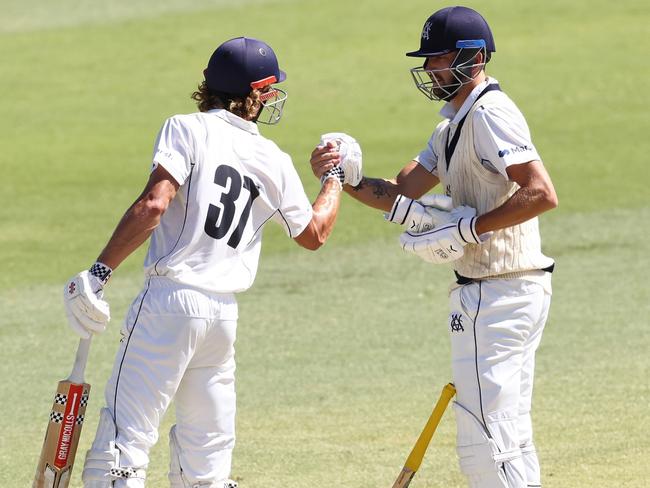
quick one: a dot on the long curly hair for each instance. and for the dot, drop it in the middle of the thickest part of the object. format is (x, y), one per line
(248, 107)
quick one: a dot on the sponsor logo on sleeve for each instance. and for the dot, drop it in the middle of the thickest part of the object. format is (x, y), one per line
(514, 150)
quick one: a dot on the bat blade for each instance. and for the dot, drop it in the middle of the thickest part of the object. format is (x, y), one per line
(62, 435)
(414, 460)
(64, 426)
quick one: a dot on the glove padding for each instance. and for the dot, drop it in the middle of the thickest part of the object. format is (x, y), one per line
(445, 243)
(430, 211)
(350, 153)
(421, 215)
(87, 312)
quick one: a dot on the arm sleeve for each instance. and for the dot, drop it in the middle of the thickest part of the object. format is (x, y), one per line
(294, 209)
(428, 157)
(502, 137)
(173, 149)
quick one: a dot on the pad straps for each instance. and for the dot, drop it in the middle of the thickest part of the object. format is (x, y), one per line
(450, 146)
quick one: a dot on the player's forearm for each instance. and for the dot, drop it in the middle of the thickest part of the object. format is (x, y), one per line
(326, 207)
(134, 229)
(325, 210)
(525, 204)
(374, 192)
(412, 181)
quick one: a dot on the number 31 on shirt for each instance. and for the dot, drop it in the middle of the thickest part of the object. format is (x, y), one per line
(217, 225)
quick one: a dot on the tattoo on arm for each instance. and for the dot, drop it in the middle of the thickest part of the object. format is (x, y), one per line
(380, 188)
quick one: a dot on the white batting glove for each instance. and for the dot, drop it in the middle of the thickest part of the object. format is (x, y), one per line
(437, 200)
(351, 157)
(87, 312)
(421, 215)
(462, 212)
(446, 243)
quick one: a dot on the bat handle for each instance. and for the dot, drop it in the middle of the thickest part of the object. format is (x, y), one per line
(77, 374)
(417, 454)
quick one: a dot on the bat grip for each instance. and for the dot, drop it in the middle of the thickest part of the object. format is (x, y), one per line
(77, 374)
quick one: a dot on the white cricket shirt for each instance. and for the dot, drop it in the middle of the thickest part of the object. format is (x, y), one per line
(476, 176)
(501, 134)
(233, 180)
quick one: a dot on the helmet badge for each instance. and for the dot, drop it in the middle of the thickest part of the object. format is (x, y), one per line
(425, 31)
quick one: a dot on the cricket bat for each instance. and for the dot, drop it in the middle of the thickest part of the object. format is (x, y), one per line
(414, 460)
(64, 426)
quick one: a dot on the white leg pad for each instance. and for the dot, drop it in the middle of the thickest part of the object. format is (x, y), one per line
(128, 477)
(531, 464)
(177, 479)
(480, 458)
(102, 466)
(102, 456)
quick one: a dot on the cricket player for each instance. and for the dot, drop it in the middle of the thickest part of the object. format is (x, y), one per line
(483, 156)
(214, 182)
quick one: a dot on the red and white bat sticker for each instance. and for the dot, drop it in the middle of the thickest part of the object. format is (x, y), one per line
(68, 426)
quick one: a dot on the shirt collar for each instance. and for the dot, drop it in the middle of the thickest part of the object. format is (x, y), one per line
(236, 121)
(448, 111)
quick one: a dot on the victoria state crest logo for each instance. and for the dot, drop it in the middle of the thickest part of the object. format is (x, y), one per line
(456, 323)
(425, 31)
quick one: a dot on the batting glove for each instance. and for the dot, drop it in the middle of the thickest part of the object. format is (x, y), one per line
(445, 243)
(350, 153)
(421, 215)
(87, 312)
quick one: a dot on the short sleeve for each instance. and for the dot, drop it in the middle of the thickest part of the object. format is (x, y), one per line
(502, 137)
(294, 209)
(428, 157)
(173, 149)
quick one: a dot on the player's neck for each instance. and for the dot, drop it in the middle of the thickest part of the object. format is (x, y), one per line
(465, 90)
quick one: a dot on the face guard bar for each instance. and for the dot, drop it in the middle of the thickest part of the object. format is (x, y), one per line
(272, 105)
(461, 69)
(272, 101)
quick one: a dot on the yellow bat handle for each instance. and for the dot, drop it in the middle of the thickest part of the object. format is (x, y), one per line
(414, 460)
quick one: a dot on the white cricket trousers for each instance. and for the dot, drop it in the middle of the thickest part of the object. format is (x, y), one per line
(495, 328)
(178, 343)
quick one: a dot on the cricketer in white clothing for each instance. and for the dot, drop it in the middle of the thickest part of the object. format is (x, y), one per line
(215, 181)
(483, 156)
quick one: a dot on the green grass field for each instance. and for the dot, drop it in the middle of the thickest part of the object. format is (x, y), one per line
(341, 353)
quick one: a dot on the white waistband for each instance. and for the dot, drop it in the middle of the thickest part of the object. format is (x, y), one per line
(158, 282)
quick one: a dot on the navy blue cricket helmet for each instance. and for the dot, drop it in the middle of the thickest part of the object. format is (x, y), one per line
(241, 64)
(452, 29)
(449, 29)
